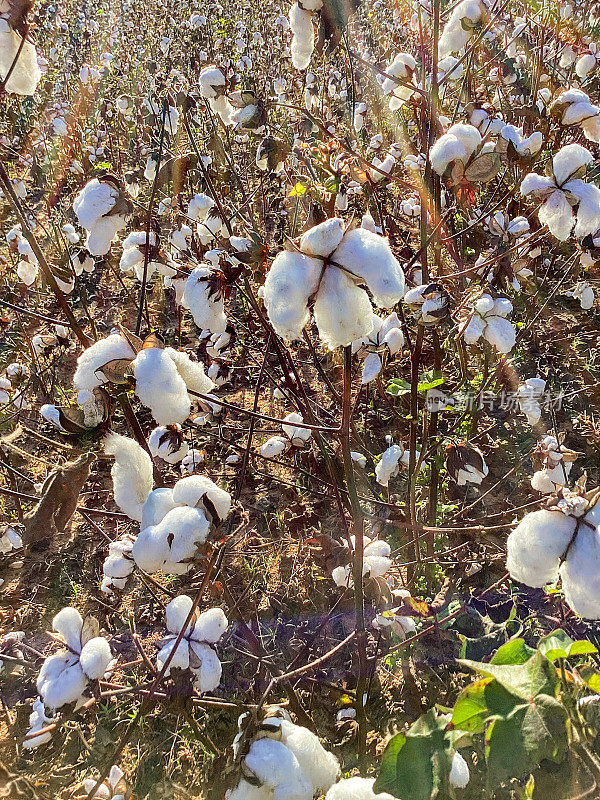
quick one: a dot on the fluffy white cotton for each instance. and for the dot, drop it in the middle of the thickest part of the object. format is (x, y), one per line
(569, 160)
(210, 626)
(275, 446)
(191, 371)
(61, 680)
(275, 765)
(457, 144)
(132, 474)
(459, 772)
(26, 73)
(158, 504)
(102, 352)
(171, 544)
(342, 309)
(536, 546)
(200, 491)
(580, 573)
(38, 720)
(95, 657)
(322, 239)
(303, 42)
(159, 386)
(488, 319)
(205, 305)
(93, 206)
(167, 442)
(318, 765)
(68, 623)
(290, 282)
(588, 209)
(459, 27)
(356, 789)
(118, 565)
(297, 436)
(368, 256)
(390, 463)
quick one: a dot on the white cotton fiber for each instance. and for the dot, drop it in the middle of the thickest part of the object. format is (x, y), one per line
(210, 626)
(290, 282)
(568, 160)
(208, 674)
(177, 612)
(208, 311)
(275, 446)
(180, 658)
(369, 256)
(318, 765)
(445, 150)
(95, 657)
(342, 309)
(184, 528)
(191, 490)
(25, 73)
(158, 503)
(61, 680)
(95, 200)
(580, 573)
(69, 622)
(459, 772)
(159, 386)
(588, 210)
(274, 764)
(131, 473)
(536, 546)
(192, 372)
(322, 239)
(356, 789)
(389, 464)
(94, 357)
(557, 214)
(247, 791)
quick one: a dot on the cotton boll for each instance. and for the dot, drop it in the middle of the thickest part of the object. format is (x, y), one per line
(206, 307)
(322, 239)
(274, 764)
(95, 657)
(297, 436)
(150, 550)
(389, 464)
(459, 772)
(38, 720)
(61, 680)
(368, 256)
(167, 443)
(356, 789)
(184, 529)
(588, 210)
(158, 504)
(569, 160)
(132, 474)
(69, 622)
(25, 73)
(580, 573)
(536, 546)
(199, 206)
(159, 386)
(179, 660)
(585, 64)
(191, 371)
(195, 490)
(557, 215)
(210, 626)
(290, 282)
(275, 446)
(318, 765)
(342, 309)
(112, 348)
(208, 673)
(371, 367)
(500, 333)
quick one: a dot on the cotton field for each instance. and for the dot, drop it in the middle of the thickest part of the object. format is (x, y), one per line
(300, 400)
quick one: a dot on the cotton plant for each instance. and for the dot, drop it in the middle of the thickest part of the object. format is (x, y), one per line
(574, 107)
(428, 302)
(376, 561)
(132, 474)
(191, 461)
(463, 155)
(18, 55)
(103, 210)
(568, 203)
(279, 760)
(176, 522)
(486, 317)
(133, 257)
(118, 565)
(330, 266)
(386, 339)
(460, 26)
(64, 676)
(196, 649)
(168, 442)
(293, 437)
(399, 72)
(524, 146)
(563, 541)
(587, 61)
(528, 395)
(553, 462)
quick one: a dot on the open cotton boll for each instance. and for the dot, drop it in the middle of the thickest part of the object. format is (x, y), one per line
(536, 546)
(131, 473)
(69, 622)
(25, 73)
(192, 372)
(297, 436)
(199, 206)
(447, 149)
(210, 626)
(580, 573)
(112, 348)
(588, 209)
(276, 766)
(388, 465)
(61, 680)
(457, 33)
(585, 64)
(179, 660)
(290, 282)
(37, 721)
(368, 256)
(321, 240)
(318, 765)
(177, 612)
(160, 387)
(95, 657)
(158, 504)
(356, 789)
(206, 306)
(167, 442)
(172, 543)
(197, 490)
(569, 160)
(342, 309)
(247, 791)
(275, 446)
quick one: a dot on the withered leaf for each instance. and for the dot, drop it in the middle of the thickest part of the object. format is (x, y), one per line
(115, 371)
(483, 168)
(90, 629)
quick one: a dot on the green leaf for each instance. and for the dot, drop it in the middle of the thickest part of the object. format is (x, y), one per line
(397, 387)
(517, 742)
(560, 645)
(527, 680)
(471, 710)
(298, 190)
(590, 677)
(429, 380)
(513, 652)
